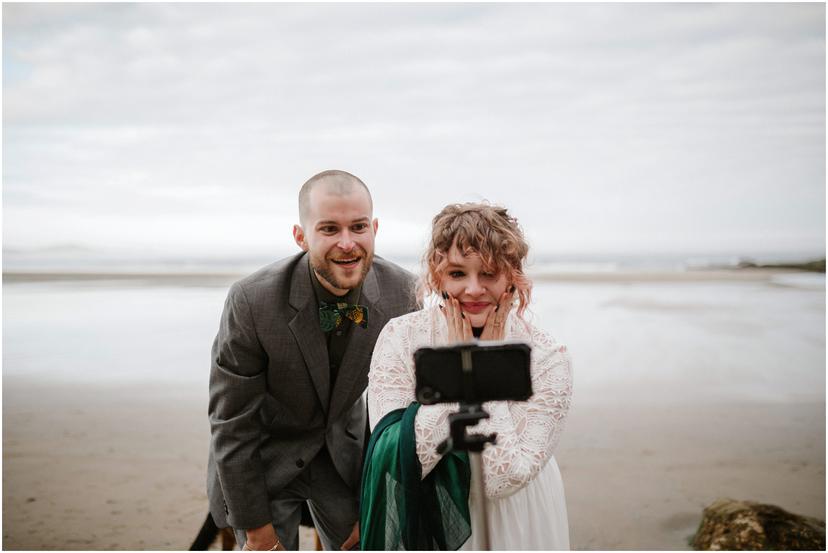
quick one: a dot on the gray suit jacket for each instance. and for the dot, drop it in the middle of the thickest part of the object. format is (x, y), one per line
(271, 403)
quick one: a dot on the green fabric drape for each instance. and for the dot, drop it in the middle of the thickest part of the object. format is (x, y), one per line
(399, 510)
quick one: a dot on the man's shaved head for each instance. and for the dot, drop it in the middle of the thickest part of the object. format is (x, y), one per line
(337, 229)
(340, 183)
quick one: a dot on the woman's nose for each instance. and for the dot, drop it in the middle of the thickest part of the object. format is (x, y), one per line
(473, 287)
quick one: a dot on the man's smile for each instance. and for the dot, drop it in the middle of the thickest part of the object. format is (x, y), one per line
(347, 262)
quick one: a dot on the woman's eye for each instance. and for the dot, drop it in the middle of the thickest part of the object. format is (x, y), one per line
(488, 275)
(456, 274)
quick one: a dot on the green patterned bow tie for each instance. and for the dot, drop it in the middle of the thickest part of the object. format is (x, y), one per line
(331, 314)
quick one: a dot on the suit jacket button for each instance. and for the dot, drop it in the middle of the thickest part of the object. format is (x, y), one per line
(300, 463)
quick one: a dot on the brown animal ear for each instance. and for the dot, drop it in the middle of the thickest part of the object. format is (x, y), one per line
(208, 534)
(228, 539)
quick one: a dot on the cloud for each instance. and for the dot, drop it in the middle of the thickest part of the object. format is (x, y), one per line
(605, 127)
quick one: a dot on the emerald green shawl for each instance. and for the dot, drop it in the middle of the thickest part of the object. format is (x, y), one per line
(401, 510)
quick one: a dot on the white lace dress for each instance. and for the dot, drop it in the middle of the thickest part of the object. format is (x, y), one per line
(525, 495)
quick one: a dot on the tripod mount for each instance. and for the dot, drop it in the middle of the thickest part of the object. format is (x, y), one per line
(471, 373)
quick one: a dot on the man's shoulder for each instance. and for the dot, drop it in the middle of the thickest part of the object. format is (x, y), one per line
(389, 272)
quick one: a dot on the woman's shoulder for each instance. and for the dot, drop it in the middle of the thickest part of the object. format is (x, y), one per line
(403, 335)
(541, 340)
(410, 323)
(410, 320)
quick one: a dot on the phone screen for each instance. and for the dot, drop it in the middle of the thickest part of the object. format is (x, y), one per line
(496, 372)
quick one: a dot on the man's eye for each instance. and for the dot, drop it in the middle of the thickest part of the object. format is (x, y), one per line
(328, 229)
(359, 227)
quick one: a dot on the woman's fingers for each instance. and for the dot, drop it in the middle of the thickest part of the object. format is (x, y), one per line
(500, 316)
(448, 311)
(454, 318)
(495, 328)
(444, 309)
(458, 320)
(467, 330)
(506, 306)
(488, 326)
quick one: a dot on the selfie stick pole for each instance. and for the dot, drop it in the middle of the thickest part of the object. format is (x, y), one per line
(482, 521)
(470, 414)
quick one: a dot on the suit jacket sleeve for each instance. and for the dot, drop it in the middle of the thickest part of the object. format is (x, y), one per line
(238, 384)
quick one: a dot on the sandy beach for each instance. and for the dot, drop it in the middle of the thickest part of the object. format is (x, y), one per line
(684, 392)
(655, 170)
(638, 477)
(123, 468)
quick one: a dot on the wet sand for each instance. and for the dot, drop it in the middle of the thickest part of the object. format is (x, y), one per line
(684, 392)
(123, 467)
(639, 476)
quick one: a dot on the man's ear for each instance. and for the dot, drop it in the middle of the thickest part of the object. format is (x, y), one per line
(375, 224)
(299, 237)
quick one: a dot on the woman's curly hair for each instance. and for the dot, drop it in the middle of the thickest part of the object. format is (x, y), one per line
(486, 230)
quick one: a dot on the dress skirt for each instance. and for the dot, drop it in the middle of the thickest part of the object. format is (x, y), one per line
(532, 518)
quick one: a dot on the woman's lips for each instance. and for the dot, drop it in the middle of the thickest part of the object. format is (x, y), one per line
(475, 306)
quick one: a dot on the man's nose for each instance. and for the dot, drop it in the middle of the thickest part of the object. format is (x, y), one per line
(346, 241)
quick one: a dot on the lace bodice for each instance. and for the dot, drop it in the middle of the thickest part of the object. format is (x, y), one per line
(527, 432)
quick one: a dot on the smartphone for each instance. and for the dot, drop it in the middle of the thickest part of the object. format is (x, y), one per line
(473, 373)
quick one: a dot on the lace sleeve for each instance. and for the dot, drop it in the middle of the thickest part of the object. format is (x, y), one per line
(391, 384)
(528, 431)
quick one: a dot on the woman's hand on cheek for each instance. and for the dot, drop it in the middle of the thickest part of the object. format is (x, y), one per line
(495, 327)
(459, 326)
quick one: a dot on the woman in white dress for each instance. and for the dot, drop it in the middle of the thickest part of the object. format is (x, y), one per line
(474, 271)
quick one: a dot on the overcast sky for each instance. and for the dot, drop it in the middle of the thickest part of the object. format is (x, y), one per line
(616, 128)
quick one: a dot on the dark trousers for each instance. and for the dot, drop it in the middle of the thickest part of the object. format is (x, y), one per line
(333, 505)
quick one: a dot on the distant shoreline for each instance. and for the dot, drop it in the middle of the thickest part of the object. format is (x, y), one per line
(185, 279)
(748, 274)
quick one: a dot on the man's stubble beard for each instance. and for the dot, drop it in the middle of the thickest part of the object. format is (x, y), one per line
(325, 271)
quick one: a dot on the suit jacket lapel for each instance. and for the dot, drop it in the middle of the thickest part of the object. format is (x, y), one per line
(307, 332)
(357, 359)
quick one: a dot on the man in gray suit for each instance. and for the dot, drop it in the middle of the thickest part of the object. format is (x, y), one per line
(289, 368)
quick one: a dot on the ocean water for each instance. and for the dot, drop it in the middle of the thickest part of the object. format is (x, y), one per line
(647, 342)
(690, 341)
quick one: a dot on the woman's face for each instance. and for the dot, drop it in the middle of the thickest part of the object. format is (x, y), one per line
(477, 290)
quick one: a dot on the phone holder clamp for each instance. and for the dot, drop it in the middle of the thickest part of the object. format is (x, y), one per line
(459, 440)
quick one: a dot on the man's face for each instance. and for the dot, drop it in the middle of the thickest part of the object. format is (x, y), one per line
(338, 233)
